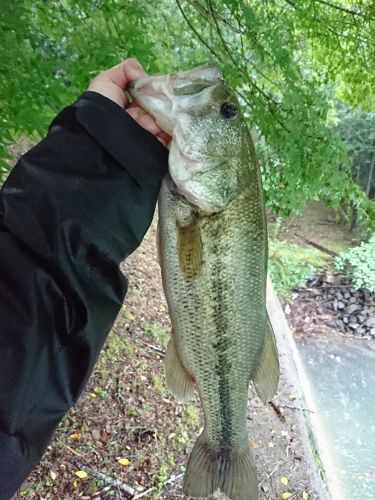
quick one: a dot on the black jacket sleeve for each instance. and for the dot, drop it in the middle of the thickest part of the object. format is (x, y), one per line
(70, 211)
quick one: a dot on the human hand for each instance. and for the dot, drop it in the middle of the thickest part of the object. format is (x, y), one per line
(113, 82)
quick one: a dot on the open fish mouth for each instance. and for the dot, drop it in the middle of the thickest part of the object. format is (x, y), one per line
(183, 83)
(164, 96)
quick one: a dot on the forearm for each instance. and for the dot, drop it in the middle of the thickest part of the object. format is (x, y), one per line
(70, 211)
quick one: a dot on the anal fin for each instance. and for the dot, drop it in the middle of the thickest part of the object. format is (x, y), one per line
(179, 380)
(267, 373)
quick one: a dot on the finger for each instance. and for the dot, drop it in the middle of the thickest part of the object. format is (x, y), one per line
(135, 110)
(165, 144)
(148, 122)
(124, 73)
(164, 138)
(103, 85)
(145, 120)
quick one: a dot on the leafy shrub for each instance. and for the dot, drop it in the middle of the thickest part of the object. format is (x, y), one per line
(291, 265)
(359, 263)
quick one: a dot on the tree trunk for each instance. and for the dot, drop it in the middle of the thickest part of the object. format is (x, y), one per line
(370, 175)
(358, 176)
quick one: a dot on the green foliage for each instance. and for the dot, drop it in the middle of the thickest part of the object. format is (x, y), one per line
(291, 265)
(157, 332)
(286, 58)
(369, 208)
(360, 264)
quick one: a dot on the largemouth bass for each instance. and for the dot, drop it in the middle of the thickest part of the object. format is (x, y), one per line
(212, 241)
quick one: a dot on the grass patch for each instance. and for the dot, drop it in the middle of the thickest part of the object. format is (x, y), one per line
(291, 265)
(156, 331)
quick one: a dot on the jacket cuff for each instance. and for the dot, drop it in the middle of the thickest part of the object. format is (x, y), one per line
(119, 135)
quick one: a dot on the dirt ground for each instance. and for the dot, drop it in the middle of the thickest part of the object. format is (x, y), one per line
(318, 224)
(128, 434)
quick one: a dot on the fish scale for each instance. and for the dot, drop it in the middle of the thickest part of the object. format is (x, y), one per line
(212, 242)
(229, 296)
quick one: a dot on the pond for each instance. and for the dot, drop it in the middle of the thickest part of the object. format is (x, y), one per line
(341, 373)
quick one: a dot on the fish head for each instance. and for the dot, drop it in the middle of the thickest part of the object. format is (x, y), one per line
(203, 116)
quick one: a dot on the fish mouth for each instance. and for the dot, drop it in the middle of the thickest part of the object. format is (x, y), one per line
(182, 83)
(195, 80)
(164, 96)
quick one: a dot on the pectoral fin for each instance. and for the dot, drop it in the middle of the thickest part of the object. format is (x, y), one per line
(189, 246)
(179, 380)
(268, 371)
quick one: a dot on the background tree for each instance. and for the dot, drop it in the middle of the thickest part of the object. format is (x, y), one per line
(287, 59)
(357, 128)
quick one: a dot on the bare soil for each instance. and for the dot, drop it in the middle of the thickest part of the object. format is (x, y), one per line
(319, 224)
(128, 427)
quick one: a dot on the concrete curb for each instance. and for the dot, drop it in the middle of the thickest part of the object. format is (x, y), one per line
(313, 433)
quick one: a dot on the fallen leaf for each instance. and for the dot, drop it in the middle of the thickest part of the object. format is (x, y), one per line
(52, 475)
(123, 461)
(81, 474)
(284, 480)
(305, 496)
(92, 394)
(75, 436)
(95, 434)
(75, 483)
(286, 495)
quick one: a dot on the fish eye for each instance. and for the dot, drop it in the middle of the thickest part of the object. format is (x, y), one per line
(228, 110)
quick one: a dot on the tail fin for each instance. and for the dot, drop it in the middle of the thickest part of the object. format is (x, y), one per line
(232, 471)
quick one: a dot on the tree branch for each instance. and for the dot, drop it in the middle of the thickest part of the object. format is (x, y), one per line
(197, 34)
(344, 9)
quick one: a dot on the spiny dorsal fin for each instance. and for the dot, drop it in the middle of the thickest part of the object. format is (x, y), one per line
(190, 251)
(268, 371)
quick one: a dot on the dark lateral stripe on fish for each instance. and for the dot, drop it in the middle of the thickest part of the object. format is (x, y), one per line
(221, 346)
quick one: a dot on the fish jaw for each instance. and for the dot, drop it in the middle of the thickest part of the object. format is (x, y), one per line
(167, 96)
(186, 177)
